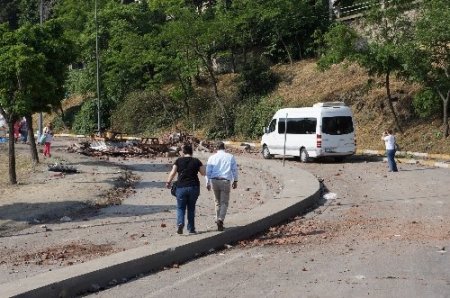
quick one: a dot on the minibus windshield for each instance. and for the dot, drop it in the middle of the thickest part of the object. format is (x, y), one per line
(339, 125)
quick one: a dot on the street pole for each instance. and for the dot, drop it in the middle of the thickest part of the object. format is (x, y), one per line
(98, 67)
(41, 18)
(285, 136)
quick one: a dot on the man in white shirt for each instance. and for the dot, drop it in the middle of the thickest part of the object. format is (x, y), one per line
(389, 141)
(221, 175)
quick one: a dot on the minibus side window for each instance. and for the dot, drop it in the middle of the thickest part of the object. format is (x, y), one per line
(337, 125)
(298, 125)
(272, 125)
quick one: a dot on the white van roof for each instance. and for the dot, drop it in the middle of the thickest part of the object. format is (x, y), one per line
(329, 104)
(315, 110)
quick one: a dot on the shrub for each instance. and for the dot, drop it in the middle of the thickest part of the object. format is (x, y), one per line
(253, 115)
(146, 112)
(426, 103)
(85, 121)
(256, 78)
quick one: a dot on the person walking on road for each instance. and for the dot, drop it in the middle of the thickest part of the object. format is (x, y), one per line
(221, 175)
(188, 187)
(390, 143)
(48, 133)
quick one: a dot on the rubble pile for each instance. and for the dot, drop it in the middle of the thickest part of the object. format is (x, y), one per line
(168, 146)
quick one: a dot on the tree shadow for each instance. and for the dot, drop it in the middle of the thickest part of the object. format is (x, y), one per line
(54, 212)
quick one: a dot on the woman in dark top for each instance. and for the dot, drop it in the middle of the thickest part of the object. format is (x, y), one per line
(188, 187)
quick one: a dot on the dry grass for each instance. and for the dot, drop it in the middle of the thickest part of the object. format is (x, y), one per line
(303, 85)
(24, 166)
(73, 101)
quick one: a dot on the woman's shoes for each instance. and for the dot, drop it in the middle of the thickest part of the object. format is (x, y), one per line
(219, 225)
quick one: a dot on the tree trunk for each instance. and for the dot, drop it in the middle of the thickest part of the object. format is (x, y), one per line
(391, 106)
(216, 91)
(300, 55)
(445, 100)
(11, 152)
(186, 94)
(233, 61)
(285, 47)
(33, 148)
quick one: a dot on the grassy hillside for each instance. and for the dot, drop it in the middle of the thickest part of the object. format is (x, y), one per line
(304, 85)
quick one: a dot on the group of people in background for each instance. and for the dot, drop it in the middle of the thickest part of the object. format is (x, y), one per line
(221, 174)
(20, 133)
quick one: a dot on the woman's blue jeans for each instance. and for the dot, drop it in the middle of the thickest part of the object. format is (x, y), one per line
(186, 199)
(391, 160)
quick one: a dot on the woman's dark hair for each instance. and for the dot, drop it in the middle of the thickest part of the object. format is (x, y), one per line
(186, 149)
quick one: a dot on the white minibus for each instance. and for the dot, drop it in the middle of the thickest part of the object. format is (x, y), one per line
(325, 129)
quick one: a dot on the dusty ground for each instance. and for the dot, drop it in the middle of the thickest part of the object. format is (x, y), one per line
(379, 224)
(383, 235)
(51, 220)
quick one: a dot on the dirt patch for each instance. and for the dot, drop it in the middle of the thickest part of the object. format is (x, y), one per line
(369, 206)
(53, 219)
(62, 255)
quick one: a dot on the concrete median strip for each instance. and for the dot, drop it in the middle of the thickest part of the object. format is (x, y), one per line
(300, 190)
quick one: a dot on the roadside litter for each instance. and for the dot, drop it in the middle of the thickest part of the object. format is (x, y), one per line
(330, 196)
(58, 167)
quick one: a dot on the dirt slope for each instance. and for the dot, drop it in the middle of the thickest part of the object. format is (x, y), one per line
(303, 84)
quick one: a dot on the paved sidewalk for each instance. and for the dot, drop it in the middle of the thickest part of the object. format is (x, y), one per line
(299, 190)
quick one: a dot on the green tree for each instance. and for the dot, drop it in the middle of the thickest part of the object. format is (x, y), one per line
(33, 66)
(380, 50)
(21, 74)
(429, 55)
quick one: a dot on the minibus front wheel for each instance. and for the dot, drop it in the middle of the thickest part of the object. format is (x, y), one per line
(266, 153)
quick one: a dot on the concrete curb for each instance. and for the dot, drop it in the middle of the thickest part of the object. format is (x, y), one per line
(300, 191)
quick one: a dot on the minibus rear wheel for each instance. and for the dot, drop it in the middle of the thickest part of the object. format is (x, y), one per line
(266, 153)
(304, 157)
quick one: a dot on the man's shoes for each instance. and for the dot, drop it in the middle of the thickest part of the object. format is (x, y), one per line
(180, 229)
(219, 225)
(192, 232)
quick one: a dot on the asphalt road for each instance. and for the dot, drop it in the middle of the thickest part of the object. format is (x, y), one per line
(382, 235)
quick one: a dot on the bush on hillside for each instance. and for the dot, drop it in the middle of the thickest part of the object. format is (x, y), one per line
(256, 78)
(146, 112)
(85, 121)
(252, 116)
(78, 81)
(426, 103)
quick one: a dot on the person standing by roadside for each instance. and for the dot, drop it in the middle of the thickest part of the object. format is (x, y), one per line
(24, 130)
(221, 174)
(188, 187)
(390, 144)
(48, 132)
(16, 131)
